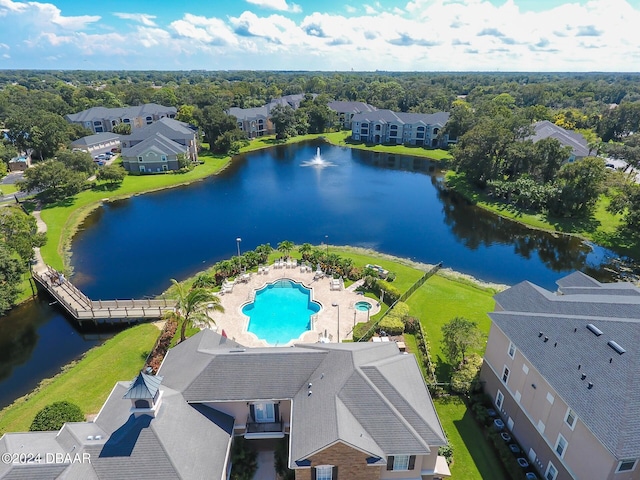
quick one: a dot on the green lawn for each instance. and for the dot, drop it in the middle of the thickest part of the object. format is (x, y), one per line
(8, 189)
(342, 139)
(442, 298)
(88, 382)
(473, 455)
(63, 218)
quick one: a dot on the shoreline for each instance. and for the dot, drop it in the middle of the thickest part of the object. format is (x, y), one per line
(447, 273)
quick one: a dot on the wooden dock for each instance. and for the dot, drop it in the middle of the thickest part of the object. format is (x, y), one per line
(84, 309)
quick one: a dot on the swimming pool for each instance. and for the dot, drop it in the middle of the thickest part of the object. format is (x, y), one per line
(281, 312)
(363, 306)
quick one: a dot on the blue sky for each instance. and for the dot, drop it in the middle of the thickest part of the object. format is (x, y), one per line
(408, 35)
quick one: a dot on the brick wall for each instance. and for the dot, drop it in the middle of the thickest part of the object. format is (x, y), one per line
(351, 463)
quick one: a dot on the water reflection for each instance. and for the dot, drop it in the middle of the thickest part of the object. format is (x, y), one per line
(394, 204)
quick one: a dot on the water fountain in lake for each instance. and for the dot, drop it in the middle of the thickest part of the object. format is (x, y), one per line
(317, 161)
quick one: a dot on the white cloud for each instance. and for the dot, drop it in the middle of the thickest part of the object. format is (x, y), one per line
(424, 35)
(280, 5)
(203, 29)
(143, 18)
(42, 14)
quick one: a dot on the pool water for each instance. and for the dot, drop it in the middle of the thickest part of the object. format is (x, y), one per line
(281, 312)
(363, 306)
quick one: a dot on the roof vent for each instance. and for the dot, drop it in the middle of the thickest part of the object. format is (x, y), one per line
(590, 386)
(98, 437)
(583, 376)
(90, 437)
(546, 339)
(575, 330)
(616, 347)
(540, 334)
(595, 330)
(555, 344)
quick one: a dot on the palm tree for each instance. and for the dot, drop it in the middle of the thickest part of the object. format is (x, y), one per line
(304, 250)
(192, 306)
(285, 247)
(250, 259)
(264, 250)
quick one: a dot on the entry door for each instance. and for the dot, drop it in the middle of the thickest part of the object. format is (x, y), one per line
(265, 412)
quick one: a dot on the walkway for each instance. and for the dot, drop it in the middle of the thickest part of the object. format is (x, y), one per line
(79, 305)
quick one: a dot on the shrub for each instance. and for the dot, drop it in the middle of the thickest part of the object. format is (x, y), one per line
(53, 416)
(243, 459)
(392, 325)
(281, 457)
(360, 330)
(447, 452)
(411, 325)
(465, 379)
(391, 276)
(391, 293)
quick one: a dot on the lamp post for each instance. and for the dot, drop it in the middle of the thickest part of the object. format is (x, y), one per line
(238, 240)
(338, 306)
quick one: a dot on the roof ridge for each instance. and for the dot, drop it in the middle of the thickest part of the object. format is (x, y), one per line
(392, 407)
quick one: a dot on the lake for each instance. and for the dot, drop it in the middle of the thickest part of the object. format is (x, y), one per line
(393, 204)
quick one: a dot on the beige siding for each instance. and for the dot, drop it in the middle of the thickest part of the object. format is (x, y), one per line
(538, 421)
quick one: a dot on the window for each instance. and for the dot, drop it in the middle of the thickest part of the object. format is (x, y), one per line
(550, 398)
(163, 158)
(401, 462)
(525, 369)
(627, 465)
(505, 374)
(499, 399)
(561, 446)
(541, 426)
(570, 418)
(512, 350)
(264, 412)
(551, 472)
(126, 120)
(140, 158)
(324, 472)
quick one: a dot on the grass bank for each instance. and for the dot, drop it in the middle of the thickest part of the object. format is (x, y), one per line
(88, 381)
(602, 227)
(64, 217)
(342, 139)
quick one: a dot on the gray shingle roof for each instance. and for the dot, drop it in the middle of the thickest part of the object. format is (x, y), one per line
(94, 139)
(388, 116)
(365, 395)
(99, 113)
(156, 142)
(248, 113)
(351, 107)
(609, 409)
(546, 129)
(168, 127)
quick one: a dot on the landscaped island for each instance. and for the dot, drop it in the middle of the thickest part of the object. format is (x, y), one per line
(457, 296)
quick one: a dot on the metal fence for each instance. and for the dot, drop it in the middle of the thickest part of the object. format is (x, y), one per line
(402, 298)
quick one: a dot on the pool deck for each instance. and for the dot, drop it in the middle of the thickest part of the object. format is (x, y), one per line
(234, 322)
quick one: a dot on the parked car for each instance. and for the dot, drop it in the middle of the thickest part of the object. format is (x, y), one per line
(102, 156)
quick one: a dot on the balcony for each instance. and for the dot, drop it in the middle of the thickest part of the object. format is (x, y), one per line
(264, 429)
